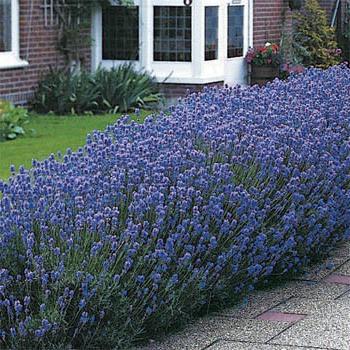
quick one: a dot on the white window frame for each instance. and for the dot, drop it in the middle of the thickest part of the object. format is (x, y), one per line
(11, 59)
(231, 70)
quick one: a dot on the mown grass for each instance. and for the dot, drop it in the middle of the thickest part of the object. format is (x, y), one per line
(53, 134)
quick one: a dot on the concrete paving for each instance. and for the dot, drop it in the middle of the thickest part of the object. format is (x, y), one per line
(227, 345)
(310, 312)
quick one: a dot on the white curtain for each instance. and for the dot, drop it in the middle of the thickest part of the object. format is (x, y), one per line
(5, 25)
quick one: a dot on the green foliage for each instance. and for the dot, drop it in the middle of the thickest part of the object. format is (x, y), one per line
(12, 121)
(62, 93)
(123, 87)
(314, 40)
(118, 89)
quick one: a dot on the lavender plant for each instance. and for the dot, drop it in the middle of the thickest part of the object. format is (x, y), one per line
(146, 224)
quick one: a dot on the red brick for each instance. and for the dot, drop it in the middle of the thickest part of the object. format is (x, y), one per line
(42, 45)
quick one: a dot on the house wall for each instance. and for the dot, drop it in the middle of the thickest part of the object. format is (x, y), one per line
(270, 17)
(38, 46)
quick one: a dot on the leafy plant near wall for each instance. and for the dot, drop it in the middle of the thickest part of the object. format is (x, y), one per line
(314, 41)
(61, 92)
(119, 89)
(124, 87)
(12, 121)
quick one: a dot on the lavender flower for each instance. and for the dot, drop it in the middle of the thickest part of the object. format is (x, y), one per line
(233, 185)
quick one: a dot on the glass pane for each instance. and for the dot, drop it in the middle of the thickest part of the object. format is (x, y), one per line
(120, 33)
(5, 25)
(235, 31)
(211, 32)
(172, 33)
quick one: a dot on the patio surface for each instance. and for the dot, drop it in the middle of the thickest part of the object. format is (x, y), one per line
(309, 312)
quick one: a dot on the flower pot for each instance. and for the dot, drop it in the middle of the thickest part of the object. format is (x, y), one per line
(262, 74)
(295, 4)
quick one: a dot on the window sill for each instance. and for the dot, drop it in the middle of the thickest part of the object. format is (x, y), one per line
(11, 62)
(235, 58)
(189, 80)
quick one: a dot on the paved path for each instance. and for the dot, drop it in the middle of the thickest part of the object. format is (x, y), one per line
(310, 312)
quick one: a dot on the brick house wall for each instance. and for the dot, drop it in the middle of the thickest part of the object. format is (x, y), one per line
(38, 46)
(270, 17)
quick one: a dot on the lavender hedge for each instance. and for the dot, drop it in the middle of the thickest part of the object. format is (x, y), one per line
(148, 223)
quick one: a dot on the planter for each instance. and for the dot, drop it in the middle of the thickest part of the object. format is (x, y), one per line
(262, 74)
(295, 4)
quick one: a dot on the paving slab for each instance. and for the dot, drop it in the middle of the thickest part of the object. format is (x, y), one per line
(306, 306)
(227, 345)
(345, 297)
(330, 329)
(262, 301)
(256, 303)
(314, 290)
(243, 329)
(312, 312)
(344, 269)
(322, 270)
(210, 330)
(180, 341)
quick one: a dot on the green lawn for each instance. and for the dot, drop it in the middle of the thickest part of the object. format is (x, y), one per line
(53, 134)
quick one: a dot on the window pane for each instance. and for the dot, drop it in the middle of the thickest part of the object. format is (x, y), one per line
(120, 33)
(5, 25)
(172, 33)
(235, 31)
(211, 32)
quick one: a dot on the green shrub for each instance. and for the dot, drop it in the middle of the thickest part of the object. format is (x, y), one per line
(12, 121)
(61, 92)
(118, 89)
(314, 39)
(123, 88)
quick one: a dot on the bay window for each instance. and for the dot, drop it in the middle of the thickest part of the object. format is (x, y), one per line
(198, 44)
